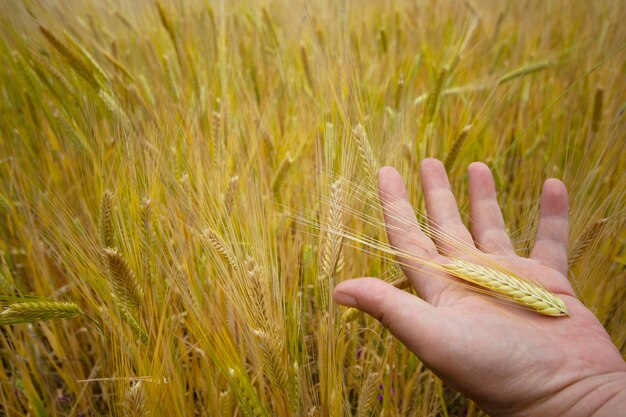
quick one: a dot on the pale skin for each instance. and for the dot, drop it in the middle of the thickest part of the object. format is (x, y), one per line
(510, 361)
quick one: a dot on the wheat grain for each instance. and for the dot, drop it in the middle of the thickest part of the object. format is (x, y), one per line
(31, 312)
(525, 293)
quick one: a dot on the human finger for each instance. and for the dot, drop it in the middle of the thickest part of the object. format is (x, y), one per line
(488, 227)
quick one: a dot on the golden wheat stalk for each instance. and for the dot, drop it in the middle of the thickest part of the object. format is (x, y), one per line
(331, 259)
(366, 157)
(597, 110)
(525, 70)
(231, 193)
(38, 311)
(368, 395)
(106, 222)
(281, 172)
(259, 295)
(78, 64)
(587, 238)
(272, 352)
(511, 287)
(135, 402)
(221, 247)
(456, 147)
(124, 283)
(247, 397)
(216, 125)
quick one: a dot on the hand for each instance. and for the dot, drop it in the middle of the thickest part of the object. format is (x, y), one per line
(509, 360)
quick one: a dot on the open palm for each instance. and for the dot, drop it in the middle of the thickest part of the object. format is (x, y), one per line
(511, 361)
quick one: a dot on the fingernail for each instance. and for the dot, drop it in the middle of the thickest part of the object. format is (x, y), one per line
(344, 299)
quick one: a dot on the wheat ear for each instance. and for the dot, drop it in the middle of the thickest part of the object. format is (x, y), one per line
(272, 350)
(525, 293)
(221, 247)
(366, 156)
(135, 402)
(38, 311)
(586, 240)
(367, 395)
(124, 284)
(524, 70)
(331, 259)
(249, 402)
(106, 222)
(281, 172)
(456, 147)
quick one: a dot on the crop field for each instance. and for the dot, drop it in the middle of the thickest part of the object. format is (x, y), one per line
(183, 183)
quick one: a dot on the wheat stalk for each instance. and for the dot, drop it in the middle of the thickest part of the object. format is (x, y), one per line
(135, 402)
(216, 124)
(259, 294)
(281, 172)
(587, 238)
(221, 247)
(525, 293)
(366, 156)
(456, 147)
(272, 352)
(248, 399)
(367, 395)
(331, 259)
(38, 311)
(231, 193)
(524, 70)
(106, 222)
(78, 64)
(597, 110)
(124, 283)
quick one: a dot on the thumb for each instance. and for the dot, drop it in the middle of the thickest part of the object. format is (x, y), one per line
(409, 318)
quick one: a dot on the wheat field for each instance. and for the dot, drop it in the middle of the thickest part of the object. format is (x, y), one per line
(179, 182)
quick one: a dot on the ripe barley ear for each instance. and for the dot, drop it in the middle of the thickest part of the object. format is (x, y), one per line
(511, 287)
(38, 311)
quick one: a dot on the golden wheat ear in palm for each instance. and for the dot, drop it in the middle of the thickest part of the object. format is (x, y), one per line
(508, 286)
